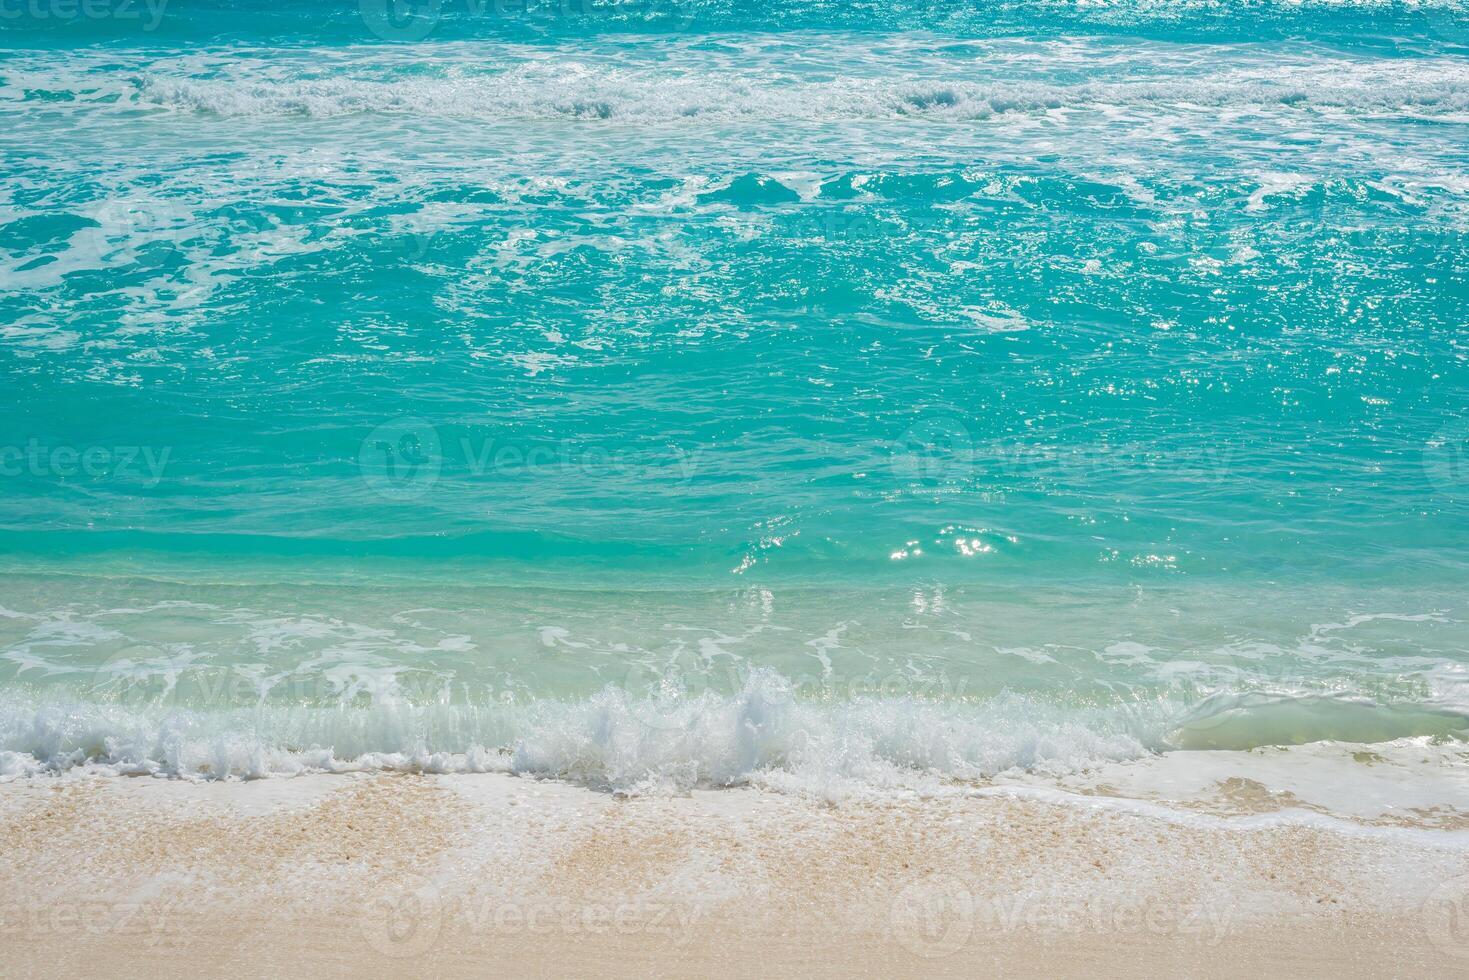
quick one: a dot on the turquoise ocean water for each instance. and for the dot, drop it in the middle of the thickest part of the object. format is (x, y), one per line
(683, 393)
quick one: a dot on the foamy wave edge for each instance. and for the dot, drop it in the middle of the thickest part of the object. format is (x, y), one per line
(673, 743)
(670, 743)
(595, 97)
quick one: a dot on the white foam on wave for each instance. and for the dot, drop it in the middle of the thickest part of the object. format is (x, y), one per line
(823, 78)
(1448, 840)
(1410, 791)
(670, 743)
(557, 90)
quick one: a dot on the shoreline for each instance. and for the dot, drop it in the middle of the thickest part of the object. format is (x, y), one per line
(448, 875)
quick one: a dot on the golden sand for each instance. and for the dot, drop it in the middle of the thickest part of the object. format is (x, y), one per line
(489, 875)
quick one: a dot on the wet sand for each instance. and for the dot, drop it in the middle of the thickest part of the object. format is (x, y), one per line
(475, 875)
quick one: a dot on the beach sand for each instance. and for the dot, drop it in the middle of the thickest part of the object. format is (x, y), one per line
(485, 875)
